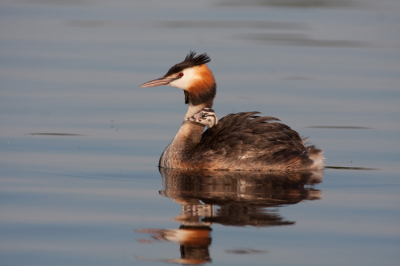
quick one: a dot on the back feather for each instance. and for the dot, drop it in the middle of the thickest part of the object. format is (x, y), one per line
(246, 138)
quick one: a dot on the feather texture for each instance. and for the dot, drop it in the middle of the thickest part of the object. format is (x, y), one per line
(191, 60)
(246, 141)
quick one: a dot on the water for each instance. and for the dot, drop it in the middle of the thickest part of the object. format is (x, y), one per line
(80, 141)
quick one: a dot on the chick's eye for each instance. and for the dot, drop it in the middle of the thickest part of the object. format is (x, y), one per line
(180, 74)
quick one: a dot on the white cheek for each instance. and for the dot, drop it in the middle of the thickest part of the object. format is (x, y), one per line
(185, 81)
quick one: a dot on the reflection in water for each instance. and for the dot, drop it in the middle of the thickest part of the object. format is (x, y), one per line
(292, 3)
(341, 127)
(56, 134)
(235, 24)
(227, 198)
(299, 40)
(351, 168)
(193, 240)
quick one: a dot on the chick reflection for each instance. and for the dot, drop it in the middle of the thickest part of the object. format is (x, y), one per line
(227, 198)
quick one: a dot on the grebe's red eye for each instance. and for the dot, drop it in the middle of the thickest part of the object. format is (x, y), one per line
(180, 74)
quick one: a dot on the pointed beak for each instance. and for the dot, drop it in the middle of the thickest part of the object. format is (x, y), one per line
(157, 82)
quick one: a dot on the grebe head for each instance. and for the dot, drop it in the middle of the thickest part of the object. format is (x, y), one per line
(206, 117)
(192, 76)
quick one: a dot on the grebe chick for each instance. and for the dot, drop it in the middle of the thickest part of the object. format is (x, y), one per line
(242, 141)
(206, 117)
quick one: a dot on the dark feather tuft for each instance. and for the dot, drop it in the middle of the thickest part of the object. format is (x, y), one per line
(197, 60)
(191, 60)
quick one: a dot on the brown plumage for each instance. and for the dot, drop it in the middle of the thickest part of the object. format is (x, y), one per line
(245, 141)
(242, 141)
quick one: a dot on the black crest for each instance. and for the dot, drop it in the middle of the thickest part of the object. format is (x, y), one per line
(191, 60)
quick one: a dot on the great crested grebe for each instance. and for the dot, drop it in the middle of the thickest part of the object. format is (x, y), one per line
(242, 141)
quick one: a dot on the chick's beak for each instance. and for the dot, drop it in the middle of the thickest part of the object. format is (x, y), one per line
(157, 82)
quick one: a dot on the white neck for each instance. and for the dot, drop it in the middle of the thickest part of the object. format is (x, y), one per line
(193, 109)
